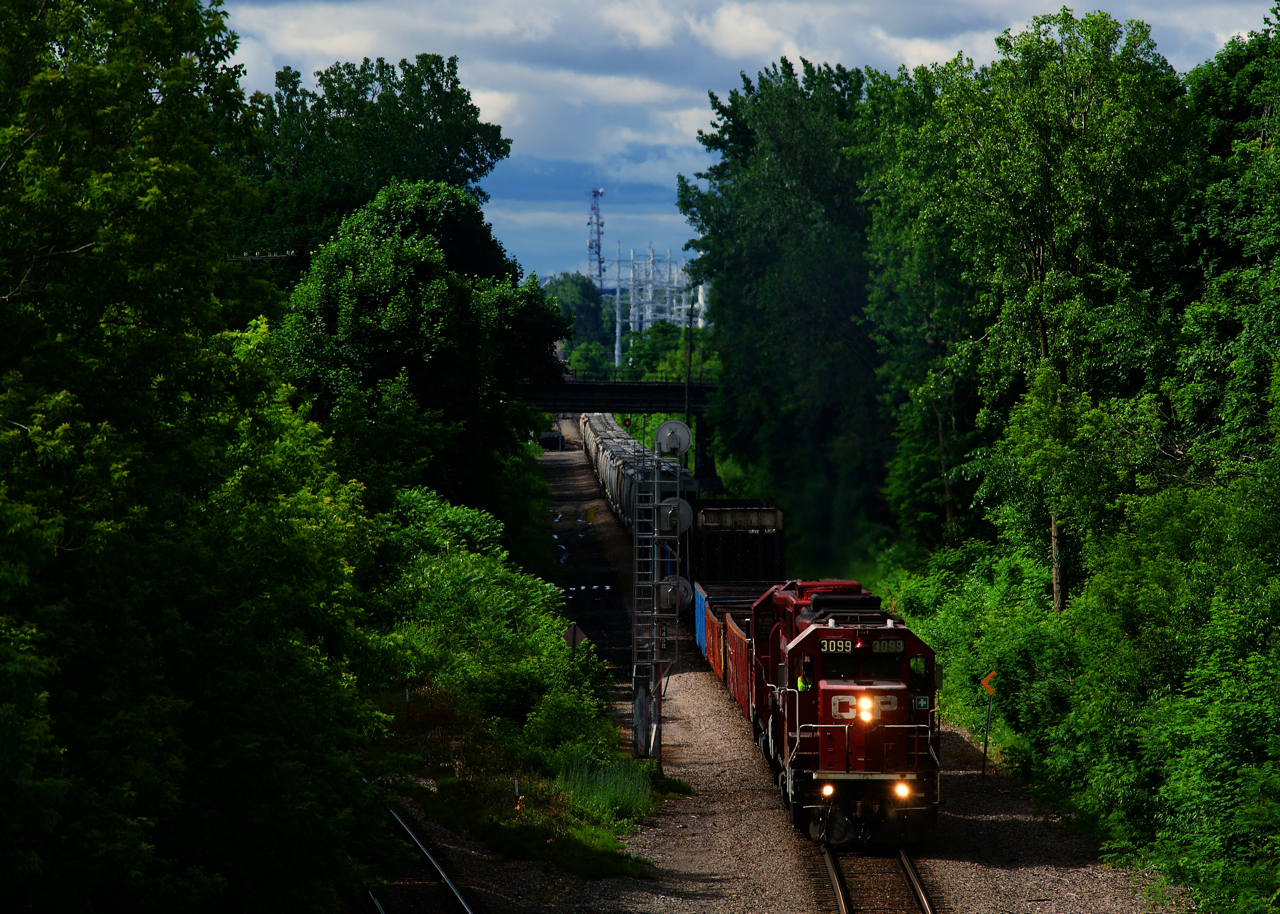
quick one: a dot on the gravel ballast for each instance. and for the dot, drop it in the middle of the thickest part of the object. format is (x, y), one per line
(994, 853)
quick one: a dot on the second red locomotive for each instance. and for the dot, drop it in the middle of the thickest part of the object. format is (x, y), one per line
(841, 697)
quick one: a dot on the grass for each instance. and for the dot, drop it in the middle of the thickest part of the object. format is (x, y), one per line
(550, 826)
(571, 820)
(590, 852)
(665, 788)
(616, 794)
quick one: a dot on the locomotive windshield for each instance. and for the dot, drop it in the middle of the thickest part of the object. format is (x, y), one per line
(864, 668)
(919, 674)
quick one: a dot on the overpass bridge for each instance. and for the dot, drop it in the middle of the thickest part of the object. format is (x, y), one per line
(621, 396)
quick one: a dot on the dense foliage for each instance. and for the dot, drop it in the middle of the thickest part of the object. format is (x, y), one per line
(783, 243)
(589, 349)
(206, 593)
(411, 336)
(323, 154)
(180, 629)
(1055, 396)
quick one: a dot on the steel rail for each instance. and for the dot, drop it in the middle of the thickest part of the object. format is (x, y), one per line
(462, 902)
(837, 880)
(845, 904)
(917, 884)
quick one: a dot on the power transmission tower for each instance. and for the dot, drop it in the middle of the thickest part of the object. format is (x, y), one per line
(656, 288)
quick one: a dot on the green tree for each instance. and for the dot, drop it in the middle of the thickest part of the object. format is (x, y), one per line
(920, 313)
(326, 153)
(591, 362)
(781, 227)
(646, 351)
(179, 634)
(1230, 332)
(411, 337)
(1069, 150)
(581, 303)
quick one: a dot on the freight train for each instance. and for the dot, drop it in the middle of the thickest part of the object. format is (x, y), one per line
(617, 459)
(840, 694)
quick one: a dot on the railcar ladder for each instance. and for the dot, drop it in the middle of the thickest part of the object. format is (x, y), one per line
(655, 602)
(643, 588)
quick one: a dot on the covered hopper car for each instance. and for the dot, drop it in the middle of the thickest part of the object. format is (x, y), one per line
(618, 459)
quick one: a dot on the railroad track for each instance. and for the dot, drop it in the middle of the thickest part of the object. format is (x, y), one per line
(425, 887)
(873, 883)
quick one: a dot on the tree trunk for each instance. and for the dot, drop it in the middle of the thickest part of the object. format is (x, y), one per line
(1055, 544)
(946, 479)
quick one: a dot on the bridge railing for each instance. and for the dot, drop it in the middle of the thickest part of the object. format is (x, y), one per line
(625, 373)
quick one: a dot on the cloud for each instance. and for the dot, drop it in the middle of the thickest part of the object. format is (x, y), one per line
(618, 88)
(734, 33)
(306, 32)
(510, 217)
(644, 25)
(916, 52)
(497, 107)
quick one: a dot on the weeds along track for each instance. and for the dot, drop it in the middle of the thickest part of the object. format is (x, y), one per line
(881, 881)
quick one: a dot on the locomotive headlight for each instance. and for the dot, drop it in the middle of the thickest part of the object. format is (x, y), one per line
(901, 788)
(828, 790)
(865, 715)
(864, 704)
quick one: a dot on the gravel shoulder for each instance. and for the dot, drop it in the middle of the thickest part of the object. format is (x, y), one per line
(728, 848)
(994, 852)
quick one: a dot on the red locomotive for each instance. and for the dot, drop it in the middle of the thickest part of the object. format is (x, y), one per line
(841, 697)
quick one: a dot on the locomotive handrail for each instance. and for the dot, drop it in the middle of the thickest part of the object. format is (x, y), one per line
(928, 739)
(818, 728)
(782, 701)
(787, 735)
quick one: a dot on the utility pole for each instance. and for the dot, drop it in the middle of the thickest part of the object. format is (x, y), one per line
(617, 309)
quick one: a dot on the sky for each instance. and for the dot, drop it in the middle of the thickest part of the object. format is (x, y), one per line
(611, 95)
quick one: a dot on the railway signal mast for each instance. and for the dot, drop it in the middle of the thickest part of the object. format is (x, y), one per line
(660, 516)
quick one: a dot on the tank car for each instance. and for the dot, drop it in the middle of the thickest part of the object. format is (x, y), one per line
(616, 458)
(841, 697)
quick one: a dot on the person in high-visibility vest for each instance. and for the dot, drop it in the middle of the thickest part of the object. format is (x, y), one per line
(805, 682)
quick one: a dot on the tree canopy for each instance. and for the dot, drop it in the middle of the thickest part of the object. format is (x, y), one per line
(1043, 294)
(323, 154)
(411, 337)
(179, 626)
(204, 591)
(782, 242)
